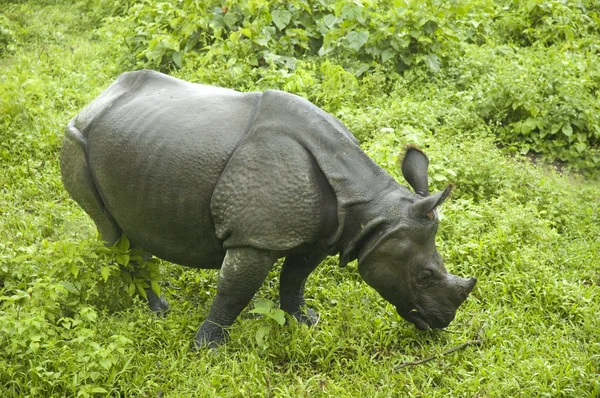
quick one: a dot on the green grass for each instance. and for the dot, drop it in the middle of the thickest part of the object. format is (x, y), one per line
(530, 235)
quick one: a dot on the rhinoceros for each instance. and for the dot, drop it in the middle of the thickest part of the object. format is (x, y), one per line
(209, 177)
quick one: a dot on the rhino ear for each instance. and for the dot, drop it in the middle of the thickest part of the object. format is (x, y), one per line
(424, 207)
(414, 170)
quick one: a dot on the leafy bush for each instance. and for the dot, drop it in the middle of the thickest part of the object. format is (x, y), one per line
(544, 101)
(399, 34)
(547, 22)
(7, 39)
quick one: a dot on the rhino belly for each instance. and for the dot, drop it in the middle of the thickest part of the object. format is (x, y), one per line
(156, 162)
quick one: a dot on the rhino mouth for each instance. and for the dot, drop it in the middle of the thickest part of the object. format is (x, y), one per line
(415, 317)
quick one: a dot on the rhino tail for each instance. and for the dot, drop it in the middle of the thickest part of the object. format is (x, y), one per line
(79, 182)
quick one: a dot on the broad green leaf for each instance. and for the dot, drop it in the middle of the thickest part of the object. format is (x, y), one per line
(387, 55)
(122, 244)
(34, 346)
(262, 306)
(261, 40)
(88, 314)
(567, 129)
(262, 334)
(430, 26)
(230, 19)
(141, 291)
(352, 12)
(278, 316)
(581, 147)
(105, 272)
(329, 20)
(246, 32)
(106, 363)
(122, 259)
(178, 58)
(357, 39)
(281, 18)
(554, 129)
(433, 62)
(439, 177)
(70, 287)
(155, 287)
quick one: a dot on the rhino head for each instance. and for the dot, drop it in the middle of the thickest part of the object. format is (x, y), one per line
(402, 263)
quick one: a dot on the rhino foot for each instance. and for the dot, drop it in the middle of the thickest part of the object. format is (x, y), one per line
(158, 305)
(307, 317)
(211, 336)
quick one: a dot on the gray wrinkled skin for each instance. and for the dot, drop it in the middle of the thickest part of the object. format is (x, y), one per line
(211, 178)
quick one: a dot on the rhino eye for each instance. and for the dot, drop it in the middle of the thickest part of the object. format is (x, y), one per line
(424, 276)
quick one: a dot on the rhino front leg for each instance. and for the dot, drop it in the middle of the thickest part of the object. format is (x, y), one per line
(243, 271)
(294, 274)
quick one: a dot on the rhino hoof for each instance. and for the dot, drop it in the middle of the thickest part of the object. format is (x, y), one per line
(210, 336)
(307, 317)
(160, 306)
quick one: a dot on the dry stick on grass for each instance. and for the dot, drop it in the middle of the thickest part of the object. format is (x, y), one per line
(476, 341)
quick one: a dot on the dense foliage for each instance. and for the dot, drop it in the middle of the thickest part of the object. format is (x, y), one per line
(475, 83)
(537, 86)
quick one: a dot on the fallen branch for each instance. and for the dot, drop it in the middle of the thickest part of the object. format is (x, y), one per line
(476, 342)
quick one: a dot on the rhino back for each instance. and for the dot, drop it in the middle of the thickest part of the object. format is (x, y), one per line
(157, 147)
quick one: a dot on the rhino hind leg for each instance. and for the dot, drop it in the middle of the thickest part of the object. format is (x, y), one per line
(294, 274)
(243, 272)
(79, 182)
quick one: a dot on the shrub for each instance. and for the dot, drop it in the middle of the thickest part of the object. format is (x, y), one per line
(399, 34)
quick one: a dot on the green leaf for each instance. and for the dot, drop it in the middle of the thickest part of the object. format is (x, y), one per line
(387, 55)
(230, 19)
(70, 287)
(141, 291)
(261, 40)
(329, 20)
(122, 244)
(105, 272)
(357, 39)
(88, 314)
(439, 177)
(430, 26)
(178, 58)
(34, 346)
(567, 129)
(433, 62)
(281, 18)
(278, 316)
(122, 259)
(554, 128)
(352, 12)
(155, 287)
(261, 335)
(581, 147)
(262, 306)
(106, 363)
